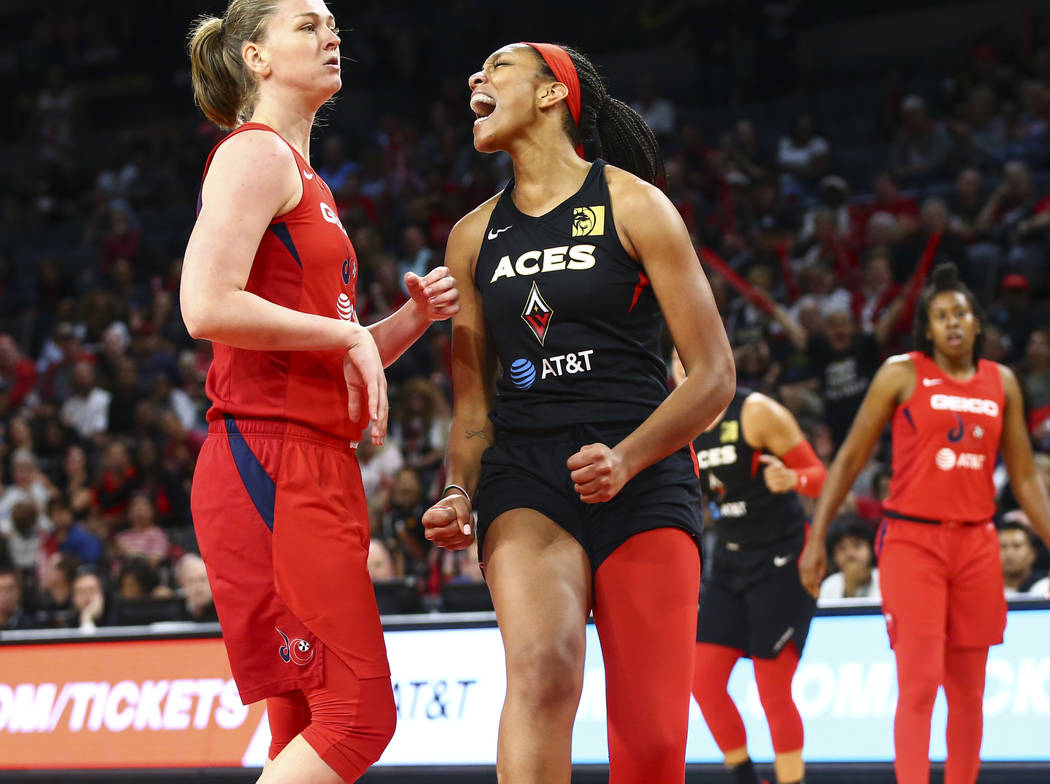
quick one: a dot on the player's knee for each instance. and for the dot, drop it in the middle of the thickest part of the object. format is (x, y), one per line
(380, 730)
(709, 691)
(657, 746)
(917, 691)
(776, 698)
(648, 756)
(352, 736)
(962, 695)
(545, 673)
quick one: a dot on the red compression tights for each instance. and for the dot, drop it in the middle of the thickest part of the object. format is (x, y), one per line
(714, 664)
(348, 721)
(645, 611)
(920, 671)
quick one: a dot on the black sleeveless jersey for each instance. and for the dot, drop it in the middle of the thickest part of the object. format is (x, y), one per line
(573, 318)
(745, 511)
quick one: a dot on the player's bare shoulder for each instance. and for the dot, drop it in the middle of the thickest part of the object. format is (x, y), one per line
(640, 210)
(256, 150)
(757, 405)
(1011, 386)
(629, 192)
(254, 167)
(464, 241)
(900, 361)
(896, 377)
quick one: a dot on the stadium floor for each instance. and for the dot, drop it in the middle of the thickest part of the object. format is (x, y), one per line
(855, 773)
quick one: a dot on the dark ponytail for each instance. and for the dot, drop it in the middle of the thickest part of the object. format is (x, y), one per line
(945, 277)
(618, 132)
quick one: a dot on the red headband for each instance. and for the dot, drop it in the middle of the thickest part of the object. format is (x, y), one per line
(565, 72)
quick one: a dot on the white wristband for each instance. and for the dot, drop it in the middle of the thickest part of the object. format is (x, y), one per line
(457, 487)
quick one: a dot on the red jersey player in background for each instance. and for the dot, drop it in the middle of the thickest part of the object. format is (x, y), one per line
(269, 276)
(942, 584)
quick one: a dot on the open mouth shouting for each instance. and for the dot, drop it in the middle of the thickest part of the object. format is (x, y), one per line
(482, 105)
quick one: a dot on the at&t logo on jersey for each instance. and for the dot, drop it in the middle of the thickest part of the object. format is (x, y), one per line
(345, 308)
(523, 371)
(734, 509)
(297, 651)
(946, 460)
(571, 364)
(966, 405)
(537, 314)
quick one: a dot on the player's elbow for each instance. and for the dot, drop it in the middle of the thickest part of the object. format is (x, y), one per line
(199, 318)
(723, 379)
(194, 322)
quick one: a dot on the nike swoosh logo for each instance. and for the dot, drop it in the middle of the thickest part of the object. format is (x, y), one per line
(307, 175)
(931, 382)
(781, 560)
(493, 233)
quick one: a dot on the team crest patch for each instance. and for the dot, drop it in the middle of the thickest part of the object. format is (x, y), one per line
(297, 651)
(588, 221)
(729, 432)
(537, 314)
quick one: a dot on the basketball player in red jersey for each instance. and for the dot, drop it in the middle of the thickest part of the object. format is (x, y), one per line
(586, 494)
(269, 276)
(942, 584)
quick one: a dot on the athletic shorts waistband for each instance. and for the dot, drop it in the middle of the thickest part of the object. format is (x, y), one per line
(230, 426)
(891, 515)
(574, 432)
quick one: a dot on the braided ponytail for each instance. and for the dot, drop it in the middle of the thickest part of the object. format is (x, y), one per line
(618, 132)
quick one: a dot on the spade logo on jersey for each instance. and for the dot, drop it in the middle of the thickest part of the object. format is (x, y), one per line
(537, 314)
(588, 221)
(715, 486)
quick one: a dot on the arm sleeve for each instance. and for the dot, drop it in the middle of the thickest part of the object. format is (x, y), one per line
(807, 466)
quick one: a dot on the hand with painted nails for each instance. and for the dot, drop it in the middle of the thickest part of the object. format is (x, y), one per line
(449, 522)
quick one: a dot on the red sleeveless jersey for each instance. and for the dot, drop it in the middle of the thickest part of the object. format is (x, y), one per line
(304, 262)
(945, 442)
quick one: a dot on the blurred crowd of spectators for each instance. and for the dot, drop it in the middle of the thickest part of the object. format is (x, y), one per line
(102, 398)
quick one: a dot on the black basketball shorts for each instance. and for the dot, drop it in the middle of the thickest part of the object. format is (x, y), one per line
(528, 471)
(752, 598)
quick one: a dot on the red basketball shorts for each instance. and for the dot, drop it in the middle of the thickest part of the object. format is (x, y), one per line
(282, 524)
(942, 581)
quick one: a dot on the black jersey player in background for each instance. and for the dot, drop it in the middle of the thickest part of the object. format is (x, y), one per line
(586, 494)
(753, 461)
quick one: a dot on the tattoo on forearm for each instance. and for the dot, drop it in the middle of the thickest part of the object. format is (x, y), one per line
(479, 434)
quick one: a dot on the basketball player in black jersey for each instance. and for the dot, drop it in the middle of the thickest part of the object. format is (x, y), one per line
(586, 494)
(753, 461)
